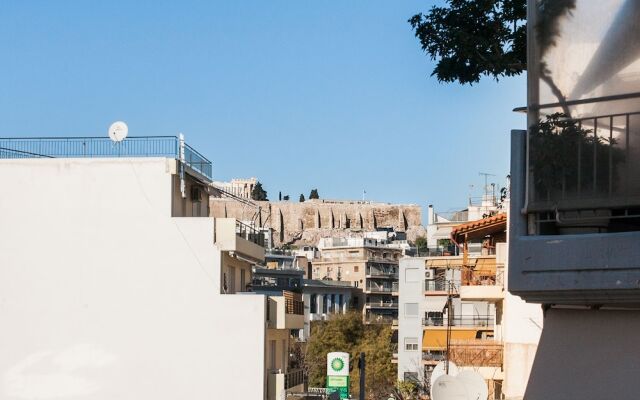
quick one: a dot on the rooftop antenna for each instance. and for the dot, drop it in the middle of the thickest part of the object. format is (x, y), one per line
(486, 179)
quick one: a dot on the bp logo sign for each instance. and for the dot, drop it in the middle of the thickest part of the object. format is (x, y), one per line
(336, 365)
(338, 374)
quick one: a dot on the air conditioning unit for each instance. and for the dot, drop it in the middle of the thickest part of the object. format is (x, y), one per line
(429, 274)
(196, 194)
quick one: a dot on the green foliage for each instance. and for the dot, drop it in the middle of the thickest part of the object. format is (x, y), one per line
(285, 198)
(406, 390)
(314, 194)
(474, 38)
(302, 198)
(562, 157)
(258, 193)
(346, 332)
(421, 243)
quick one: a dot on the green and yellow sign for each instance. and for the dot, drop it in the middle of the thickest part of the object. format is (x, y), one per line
(338, 374)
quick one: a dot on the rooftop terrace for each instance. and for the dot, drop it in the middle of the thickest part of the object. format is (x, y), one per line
(103, 147)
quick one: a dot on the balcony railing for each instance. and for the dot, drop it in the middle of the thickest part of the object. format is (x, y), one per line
(381, 304)
(584, 164)
(476, 353)
(249, 233)
(379, 319)
(461, 320)
(441, 285)
(102, 147)
(482, 278)
(383, 273)
(293, 378)
(434, 355)
(379, 289)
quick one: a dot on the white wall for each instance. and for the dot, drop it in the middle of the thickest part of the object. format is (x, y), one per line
(410, 292)
(104, 296)
(521, 328)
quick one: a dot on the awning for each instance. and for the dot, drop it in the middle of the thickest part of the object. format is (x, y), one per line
(480, 228)
(486, 265)
(441, 262)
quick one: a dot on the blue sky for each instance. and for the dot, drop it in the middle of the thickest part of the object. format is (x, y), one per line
(334, 95)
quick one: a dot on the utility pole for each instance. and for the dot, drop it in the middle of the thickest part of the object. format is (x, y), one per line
(361, 367)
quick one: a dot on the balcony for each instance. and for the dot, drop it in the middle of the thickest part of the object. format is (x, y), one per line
(482, 286)
(575, 172)
(381, 304)
(286, 311)
(234, 236)
(279, 384)
(372, 287)
(103, 147)
(441, 286)
(476, 353)
(434, 356)
(386, 273)
(379, 319)
(461, 320)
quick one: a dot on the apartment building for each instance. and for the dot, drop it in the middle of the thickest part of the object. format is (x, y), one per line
(456, 308)
(322, 299)
(369, 264)
(118, 284)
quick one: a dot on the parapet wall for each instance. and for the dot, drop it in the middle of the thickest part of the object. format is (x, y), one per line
(306, 222)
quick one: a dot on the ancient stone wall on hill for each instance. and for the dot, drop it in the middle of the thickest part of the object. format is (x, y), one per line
(307, 222)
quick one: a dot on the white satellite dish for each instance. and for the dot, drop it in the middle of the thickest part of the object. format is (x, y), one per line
(448, 387)
(118, 131)
(440, 369)
(475, 384)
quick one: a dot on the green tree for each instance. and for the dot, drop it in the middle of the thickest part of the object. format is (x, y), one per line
(469, 39)
(421, 244)
(258, 193)
(474, 38)
(302, 199)
(285, 197)
(314, 194)
(346, 332)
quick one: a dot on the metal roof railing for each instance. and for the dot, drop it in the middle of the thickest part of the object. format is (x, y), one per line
(103, 147)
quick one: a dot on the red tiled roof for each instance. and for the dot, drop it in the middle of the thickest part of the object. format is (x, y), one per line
(494, 224)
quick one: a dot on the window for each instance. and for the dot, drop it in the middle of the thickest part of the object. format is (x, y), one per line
(333, 302)
(243, 280)
(411, 376)
(356, 268)
(411, 310)
(313, 308)
(324, 303)
(340, 301)
(411, 344)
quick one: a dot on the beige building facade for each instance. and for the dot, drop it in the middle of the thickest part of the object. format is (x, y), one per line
(368, 264)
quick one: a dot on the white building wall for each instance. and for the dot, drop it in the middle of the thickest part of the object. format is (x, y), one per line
(521, 329)
(104, 296)
(411, 287)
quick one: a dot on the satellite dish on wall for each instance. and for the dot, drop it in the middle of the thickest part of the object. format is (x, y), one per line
(475, 384)
(440, 369)
(448, 387)
(118, 131)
